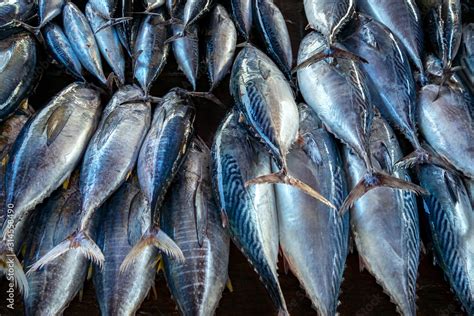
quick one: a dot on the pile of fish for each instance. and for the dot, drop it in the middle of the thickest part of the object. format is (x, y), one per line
(109, 176)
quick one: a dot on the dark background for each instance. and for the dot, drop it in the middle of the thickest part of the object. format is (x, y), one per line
(360, 294)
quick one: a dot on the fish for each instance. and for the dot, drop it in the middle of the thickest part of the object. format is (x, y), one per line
(82, 39)
(19, 71)
(242, 14)
(191, 218)
(48, 10)
(220, 45)
(151, 5)
(150, 50)
(110, 157)
(403, 18)
(53, 288)
(451, 222)
(446, 121)
(328, 17)
(390, 80)
(108, 42)
(467, 55)
(195, 9)
(160, 158)
(313, 238)
(59, 46)
(104, 8)
(249, 213)
(469, 184)
(174, 7)
(13, 15)
(385, 221)
(124, 218)
(124, 29)
(42, 158)
(272, 26)
(336, 89)
(186, 51)
(267, 107)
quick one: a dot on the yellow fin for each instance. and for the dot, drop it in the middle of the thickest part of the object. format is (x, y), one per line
(229, 286)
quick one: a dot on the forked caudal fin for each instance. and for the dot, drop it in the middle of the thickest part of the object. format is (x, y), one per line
(283, 178)
(11, 267)
(373, 180)
(330, 52)
(79, 240)
(154, 237)
(422, 156)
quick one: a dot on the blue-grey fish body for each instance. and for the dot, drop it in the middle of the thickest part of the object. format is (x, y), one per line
(275, 33)
(451, 218)
(150, 50)
(242, 13)
(13, 11)
(174, 7)
(191, 218)
(104, 8)
(328, 16)
(48, 10)
(55, 286)
(313, 237)
(402, 17)
(108, 42)
(80, 35)
(186, 51)
(266, 100)
(61, 49)
(221, 45)
(389, 72)
(113, 150)
(194, 9)
(18, 65)
(446, 121)
(385, 222)
(124, 29)
(124, 218)
(249, 212)
(467, 55)
(151, 5)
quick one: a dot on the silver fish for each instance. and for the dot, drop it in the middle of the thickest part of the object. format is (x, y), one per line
(451, 218)
(124, 218)
(153, 4)
(328, 17)
(43, 157)
(267, 106)
(191, 217)
(18, 66)
(385, 222)
(242, 13)
(402, 17)
(221, 45)
(105, 8)
(446, 121)
(186, 51)
(53, 288)
(314, 239)
(48, 10)
(195, 9)
(249, 212)
(13, 15)
(110, 157)
(337, 91)
(467, 55)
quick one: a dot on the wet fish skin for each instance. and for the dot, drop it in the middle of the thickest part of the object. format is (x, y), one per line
(272, 26)
(18, 66)
(150, 50)
(402, 17)
(13, 11)
(108, 42)
(242, 13)
(48, 10)
(104, 8)
(446, 121)
(249, 212)
(194, 9)
(191, 217)
(153, 4)
(221, 45)
(313, 237)
(61, 49)
(124, 29)
(124, 217)
(186, 51)
(390, 215)
(328, 17)
(451, 220)
(80, 35)
(53, 288)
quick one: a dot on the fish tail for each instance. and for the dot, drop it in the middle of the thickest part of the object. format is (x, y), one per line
(372, 180)
(154, 237)
(175, 37)
(422, 156)
(79, 240)
(281, 177)
(11, 267)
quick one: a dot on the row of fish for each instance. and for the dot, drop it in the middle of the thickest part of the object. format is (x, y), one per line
(279, 174)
